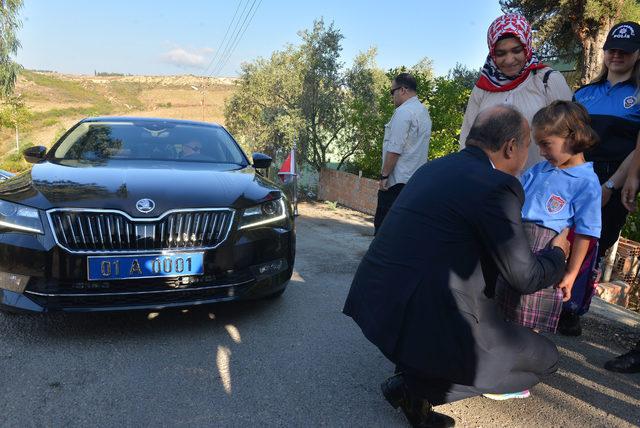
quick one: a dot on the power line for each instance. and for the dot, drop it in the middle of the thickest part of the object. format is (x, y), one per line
(219, 49)
(239, 37)
(236, 29)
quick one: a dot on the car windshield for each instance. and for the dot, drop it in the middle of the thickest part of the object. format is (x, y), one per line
(101, 141)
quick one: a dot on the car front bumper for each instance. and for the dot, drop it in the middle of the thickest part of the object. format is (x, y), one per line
(248, 265)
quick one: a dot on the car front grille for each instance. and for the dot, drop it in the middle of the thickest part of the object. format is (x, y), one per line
(109, 231)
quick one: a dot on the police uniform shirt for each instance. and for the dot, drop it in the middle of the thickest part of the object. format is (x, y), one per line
(559, 198)
(615, 116)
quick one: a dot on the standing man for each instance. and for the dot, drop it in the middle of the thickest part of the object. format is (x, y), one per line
(406, 143)
(424, 291)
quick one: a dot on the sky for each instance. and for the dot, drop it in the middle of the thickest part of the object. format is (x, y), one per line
(160, 37)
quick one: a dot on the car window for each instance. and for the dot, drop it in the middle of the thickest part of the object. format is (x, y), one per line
(99, 141)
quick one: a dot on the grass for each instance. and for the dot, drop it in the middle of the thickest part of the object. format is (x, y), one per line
(332, 205)
(56, 113)
(50, 121)
(14, 162)
(72, 90)
(128, 93)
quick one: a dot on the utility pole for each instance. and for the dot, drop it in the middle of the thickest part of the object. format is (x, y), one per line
(201, 90)
(203, 105)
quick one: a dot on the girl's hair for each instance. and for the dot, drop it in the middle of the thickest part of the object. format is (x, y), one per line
(568, 120)
(635, 74)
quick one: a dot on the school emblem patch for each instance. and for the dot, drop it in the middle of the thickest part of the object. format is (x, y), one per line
(555, 204)
(629, 102)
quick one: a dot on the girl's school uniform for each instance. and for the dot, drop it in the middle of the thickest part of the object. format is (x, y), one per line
(555, 199)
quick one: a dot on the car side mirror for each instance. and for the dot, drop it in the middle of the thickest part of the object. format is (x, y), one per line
(261, 161)
(34, 154)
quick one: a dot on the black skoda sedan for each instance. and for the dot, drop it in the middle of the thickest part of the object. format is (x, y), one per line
(137, 213)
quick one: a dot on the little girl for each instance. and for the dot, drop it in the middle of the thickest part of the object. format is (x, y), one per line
(561, 192)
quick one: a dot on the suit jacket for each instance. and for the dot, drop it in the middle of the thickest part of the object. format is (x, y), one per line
(423, 293)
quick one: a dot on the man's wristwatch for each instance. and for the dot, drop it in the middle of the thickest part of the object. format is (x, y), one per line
(383, 177)
(609, 184)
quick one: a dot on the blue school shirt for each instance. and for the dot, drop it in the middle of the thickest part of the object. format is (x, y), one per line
(559, 198)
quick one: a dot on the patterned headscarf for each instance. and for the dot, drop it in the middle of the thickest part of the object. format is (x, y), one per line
(491, 78)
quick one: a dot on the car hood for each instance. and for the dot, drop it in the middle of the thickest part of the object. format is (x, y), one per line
(120, 184)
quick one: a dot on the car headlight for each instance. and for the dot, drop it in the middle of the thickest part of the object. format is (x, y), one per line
(266, 212)
(20, 218)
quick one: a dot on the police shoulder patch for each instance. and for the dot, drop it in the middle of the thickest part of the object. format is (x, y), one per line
(629, 102)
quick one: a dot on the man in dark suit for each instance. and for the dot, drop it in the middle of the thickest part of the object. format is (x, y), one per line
(423, 293)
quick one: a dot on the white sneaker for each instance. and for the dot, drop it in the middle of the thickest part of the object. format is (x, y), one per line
(508, 396)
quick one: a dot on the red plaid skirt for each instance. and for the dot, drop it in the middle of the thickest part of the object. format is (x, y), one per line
(540, 310)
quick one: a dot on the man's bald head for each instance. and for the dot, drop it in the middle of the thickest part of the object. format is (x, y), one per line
(503, 134)
(495, 126)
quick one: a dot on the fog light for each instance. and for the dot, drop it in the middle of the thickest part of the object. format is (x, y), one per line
(272, 267)
(13, 282)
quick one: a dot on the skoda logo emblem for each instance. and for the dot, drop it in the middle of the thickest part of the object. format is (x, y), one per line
(145, 205)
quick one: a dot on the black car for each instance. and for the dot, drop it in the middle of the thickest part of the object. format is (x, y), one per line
(138, 213)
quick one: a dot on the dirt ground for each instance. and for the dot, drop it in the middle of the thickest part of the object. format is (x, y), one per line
(581, 393)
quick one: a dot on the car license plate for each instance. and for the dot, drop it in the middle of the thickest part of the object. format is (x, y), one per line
(107, 268)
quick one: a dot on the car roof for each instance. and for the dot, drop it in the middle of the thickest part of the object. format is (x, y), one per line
(148, 120)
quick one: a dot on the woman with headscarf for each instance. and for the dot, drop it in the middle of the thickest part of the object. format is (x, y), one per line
(513, 75)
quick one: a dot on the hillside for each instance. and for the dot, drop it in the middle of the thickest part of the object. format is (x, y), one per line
(57, 101)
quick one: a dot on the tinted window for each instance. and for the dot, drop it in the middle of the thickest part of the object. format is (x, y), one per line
(98, 141)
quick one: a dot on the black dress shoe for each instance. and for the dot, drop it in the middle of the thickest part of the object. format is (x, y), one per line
(418, 411)
(625, 363)
(394, 390)
(569, 324)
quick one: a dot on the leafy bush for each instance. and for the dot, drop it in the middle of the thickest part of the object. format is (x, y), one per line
(631, 229)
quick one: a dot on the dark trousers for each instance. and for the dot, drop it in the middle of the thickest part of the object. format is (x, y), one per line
(537, 358)
(614, 214)
(386, 198)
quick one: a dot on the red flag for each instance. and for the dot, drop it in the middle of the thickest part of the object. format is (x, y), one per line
(288, 168)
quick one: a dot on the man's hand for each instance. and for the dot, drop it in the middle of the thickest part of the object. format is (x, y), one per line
(383, 184)
(561, 242)
(565, 286)
(629, 192)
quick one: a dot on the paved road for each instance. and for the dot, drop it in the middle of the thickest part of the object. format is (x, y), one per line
(294, 361)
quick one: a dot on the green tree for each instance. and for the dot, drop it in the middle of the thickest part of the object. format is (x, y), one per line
(264, 112)
(303, 95)
(447, 104)
(322, 101)
(566, 29)
(9, 44)
(14, 114)
(364, 81)
(463, 75)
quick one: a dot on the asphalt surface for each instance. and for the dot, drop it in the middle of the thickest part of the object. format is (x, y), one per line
(292, 361)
